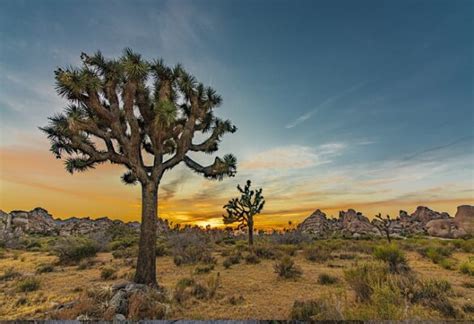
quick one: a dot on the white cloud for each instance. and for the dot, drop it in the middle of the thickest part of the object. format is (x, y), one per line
(294, 157)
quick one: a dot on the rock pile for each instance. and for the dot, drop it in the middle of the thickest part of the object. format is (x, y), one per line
(423, 221)
(38, 221)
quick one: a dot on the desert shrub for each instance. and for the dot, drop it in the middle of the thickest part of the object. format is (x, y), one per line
(123, 242)
(44, 267)
(448, 264)
(326, 279)
(266, 252)
(384, 305)
(435, 294)
(393, 256)
(314, 309)
(290, 237)
(251, 258)
(92, 303)
(286, 268)
(188, 287)
(467, 267)
(468, 308)
(436, 252)
(464, 245)
(361, 246)
(161, 249)
(236, 300)
(146, 305)
(85, 264)
(2, 253)
(213, 283)
(231, 260)
(190, 248)
(362, 278)
(316, 253)
(108, 273)
(28, 284)
(347, 256)
(33, 245)
(10, 274)
(72, 249)
(288, 249)
(204, 269)
(126, 253)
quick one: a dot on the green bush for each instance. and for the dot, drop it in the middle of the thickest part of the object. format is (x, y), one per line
(126, 253)
(316, 253)
(71, 250)
(204, 269)
(467, 267)
(251, 258)
(123, 242)
(393, 256)
(232, 259)
(28, 284)
(108, 273)
(326, 279)
(362, 278)
(266, 252)
(435, 294)
(286, 268)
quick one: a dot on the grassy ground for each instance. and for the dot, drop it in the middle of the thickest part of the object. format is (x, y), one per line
(264, 294)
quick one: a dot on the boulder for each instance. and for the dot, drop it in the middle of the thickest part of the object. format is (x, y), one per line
(465, 218)
(424, 215)
(316, 224)
(446, 228)
(353, 222)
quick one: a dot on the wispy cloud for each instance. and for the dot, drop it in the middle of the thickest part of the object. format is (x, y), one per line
(293, 157)
(326, 103)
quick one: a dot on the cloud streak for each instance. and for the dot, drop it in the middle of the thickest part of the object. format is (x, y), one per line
(326, 103)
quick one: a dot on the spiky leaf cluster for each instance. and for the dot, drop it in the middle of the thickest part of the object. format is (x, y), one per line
(122, 109)
(241, 210)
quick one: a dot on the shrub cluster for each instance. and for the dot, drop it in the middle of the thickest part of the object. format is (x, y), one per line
(71, 250)
(393, 256)
(316, 253)
(286, 268)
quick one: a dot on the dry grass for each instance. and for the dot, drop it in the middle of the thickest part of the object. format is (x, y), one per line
(264, 295)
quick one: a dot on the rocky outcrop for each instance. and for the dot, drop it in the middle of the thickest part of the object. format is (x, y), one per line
(422, 221)
(39, 221)
(446, 228)
(465, 218)
(350, 223)
(316, 224)
(355, 224)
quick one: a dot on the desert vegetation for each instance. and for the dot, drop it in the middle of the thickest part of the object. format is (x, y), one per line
(212, 274)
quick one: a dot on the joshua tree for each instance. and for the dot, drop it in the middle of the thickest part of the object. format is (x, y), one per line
(243, 209)
(143, 115)
(383, 225)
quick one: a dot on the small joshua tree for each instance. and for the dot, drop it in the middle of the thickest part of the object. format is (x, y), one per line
(144, 116)
(383, 225)
(243, 209)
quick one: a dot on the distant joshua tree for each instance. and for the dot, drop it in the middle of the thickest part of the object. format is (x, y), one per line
(243, 209)
(383, 225)
(144, 116)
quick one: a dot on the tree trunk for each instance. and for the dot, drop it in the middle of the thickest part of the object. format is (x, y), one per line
(146, 262)
(250, 226)
(388, 237)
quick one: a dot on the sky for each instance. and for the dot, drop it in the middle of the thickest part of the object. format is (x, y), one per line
(339, 104)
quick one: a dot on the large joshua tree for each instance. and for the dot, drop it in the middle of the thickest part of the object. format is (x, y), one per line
(242, 210)
(143, 115)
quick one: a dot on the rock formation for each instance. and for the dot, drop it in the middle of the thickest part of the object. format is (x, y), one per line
(39, 221)
(422, 221)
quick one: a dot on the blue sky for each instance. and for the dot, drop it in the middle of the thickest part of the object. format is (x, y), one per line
(337, 102)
